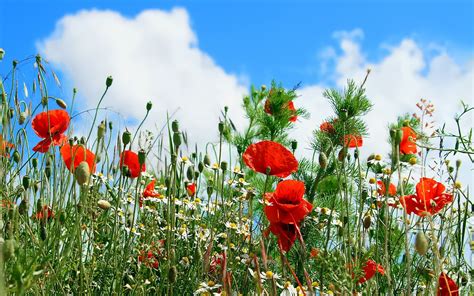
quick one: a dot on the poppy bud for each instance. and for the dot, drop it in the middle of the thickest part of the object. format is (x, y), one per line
(16, 156)
(177, 139)
(141, 157)
(26, 182)
(172, 274)
(101, 130)
(82, 140)
(323, 160)
(294, 145)
(167, 182)
(9, 247)
(108, 81)
(200, 167)
(22, 117)
(190, 173)
(43, 232)
(2, 53)
(367, 221)
(126, 137)
(103, 204)
(196, 175)
(34, 163)
(47, 171)
(224, 165)
(342, 154)
(82, 173)
(175, 126)
(61, 103)
(398, 137)
(221, 127)
(450, 169)
(44, 101)
(23, 207)
(421, 243)
(149, 105)
(207, 160)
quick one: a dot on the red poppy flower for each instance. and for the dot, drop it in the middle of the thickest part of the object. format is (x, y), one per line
(150, 190)
(446, 286)
(45, 213)
(149, 259)
(392, 190)
(191, 189)
(130, 159)
(50, 126)
(286, 234)
(370, 269)
(287, 204)
(353, 141)
(327, 127)
(4, 147)
(77, 154)
(290, 106)
(430, 198)
(408, 143)
(272, 155)
(217, 262)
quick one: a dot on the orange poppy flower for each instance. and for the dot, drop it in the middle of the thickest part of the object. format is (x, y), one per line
(74, 155)
(45, 213)
(4, 146)
(271, 155)
(370, 269)
(287, 204)
(392, 190)
(290, 107)
(327, 127)
(353, 141)
(430, 198)
(50, 126)
(446, 286)
(408, 143)
(130, 159)
(150, 190)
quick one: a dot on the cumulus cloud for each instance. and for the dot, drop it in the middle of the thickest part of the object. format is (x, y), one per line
(152, 56)
(397, 82)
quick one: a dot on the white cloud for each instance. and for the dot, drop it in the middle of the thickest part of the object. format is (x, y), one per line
(152, 56)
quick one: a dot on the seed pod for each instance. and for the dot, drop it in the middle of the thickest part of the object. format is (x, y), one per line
(175, 126)
(108, 81)
(149, 105)
(103, 204)
(207, 160)
(43, 232)
(200, 167)
(210, 190)
(47, 171)
(196, 175)
(190, 173)
(34, 163)
(82, 173)
(221, 127)
(224, 165)
(458, 164)
(294, 145)
(23, 207)
(61, 103)
(421, 243)
(126, 137)
(323, 160)
(177, 139)
(172, 274)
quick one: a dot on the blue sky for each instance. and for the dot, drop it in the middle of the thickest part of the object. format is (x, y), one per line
(251, 37)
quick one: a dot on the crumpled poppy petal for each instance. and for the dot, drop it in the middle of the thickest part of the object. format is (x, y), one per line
(42, 146)
(130, 159)
(408, 143)
(74, 155)
(57, 123)
(446, 286)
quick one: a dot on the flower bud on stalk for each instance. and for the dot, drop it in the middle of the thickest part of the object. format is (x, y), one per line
(190, 173)
(101, 130)
(200, 167)
(294, 145)
(16, 156)
(61, 103)
(141, 157)
(22, 117)
(2, 53)
(224, 165)
(221, 127)
(172, 274)
(323, 160)
(82, 173)
(342, 154)
(421, 243)
(177, 139)
(367, 221)
(103, 204)
(149, 105)
(207, 160)
(26, 182)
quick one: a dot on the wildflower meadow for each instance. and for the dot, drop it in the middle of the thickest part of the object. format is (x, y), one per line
(140, 212)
